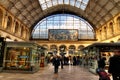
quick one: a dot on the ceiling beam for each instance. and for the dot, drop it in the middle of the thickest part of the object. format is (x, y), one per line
(12, 4)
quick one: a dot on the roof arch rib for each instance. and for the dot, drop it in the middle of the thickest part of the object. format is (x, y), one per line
(62, 9)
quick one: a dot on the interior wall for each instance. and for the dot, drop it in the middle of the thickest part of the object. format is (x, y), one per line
(109, 35)
(8, 27)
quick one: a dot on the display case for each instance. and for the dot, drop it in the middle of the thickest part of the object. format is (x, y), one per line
(98, 50)
(21, 56)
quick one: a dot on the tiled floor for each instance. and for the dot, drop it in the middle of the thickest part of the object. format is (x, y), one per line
(47, 73)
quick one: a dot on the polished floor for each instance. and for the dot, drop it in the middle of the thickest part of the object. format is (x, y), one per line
(47, 73)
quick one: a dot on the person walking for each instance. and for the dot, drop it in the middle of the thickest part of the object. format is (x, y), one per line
(114, 65)
(61, 61)
(74, 60)
(101, 63)
(56, 63)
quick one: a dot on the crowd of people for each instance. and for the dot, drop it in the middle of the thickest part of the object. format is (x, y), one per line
(113, 69)
(63, 60)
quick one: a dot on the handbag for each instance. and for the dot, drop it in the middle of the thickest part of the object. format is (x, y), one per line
(102, 74)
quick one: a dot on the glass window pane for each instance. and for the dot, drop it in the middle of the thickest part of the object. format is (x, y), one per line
(72, 2)
(42, 1)
(56, 18)
(44, 6)
(54, 2)
(50, 18)
(77, 4)
(70, 18)
(48, 0)
(85, 1)
(79, 0)
(66, 1)
(63, 18)
(49, 3)
(60, 1)
(43, 27)
(43, 23)
(83, 6)
(50, 27)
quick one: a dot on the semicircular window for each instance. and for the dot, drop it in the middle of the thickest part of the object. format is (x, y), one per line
(63, 27)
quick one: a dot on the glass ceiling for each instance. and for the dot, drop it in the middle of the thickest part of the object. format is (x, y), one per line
(76, 3)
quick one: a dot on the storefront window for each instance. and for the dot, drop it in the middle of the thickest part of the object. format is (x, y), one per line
(17, 58)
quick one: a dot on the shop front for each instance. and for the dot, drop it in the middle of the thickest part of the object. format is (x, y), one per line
(97, 51)
(2, 44)
(21, 57)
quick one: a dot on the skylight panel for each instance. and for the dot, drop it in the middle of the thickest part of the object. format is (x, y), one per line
(77, 4)
(72, 2)
(44, 6)
(83, 6)
(60, 1)
(41, 1)
(66, 1)
(49, 4)
(54, 2)
(48, 0)
(79, 0)
(85, 1)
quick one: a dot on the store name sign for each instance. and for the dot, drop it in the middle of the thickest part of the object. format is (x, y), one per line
(23, 56)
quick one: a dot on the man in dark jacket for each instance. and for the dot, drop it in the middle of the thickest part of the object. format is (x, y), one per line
(56, 63)
(101, 63)
(114, 66)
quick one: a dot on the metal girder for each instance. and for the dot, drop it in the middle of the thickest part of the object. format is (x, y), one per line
(12, 4)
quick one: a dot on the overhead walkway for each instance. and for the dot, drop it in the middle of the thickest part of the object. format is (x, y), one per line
(68, 73)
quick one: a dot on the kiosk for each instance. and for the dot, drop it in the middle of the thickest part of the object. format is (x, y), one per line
(21, 57)
(98, 50)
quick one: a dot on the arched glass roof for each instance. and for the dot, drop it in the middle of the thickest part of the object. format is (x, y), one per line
(63, 22)
(76, 3)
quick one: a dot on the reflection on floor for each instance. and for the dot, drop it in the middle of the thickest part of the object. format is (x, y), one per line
(47, 73)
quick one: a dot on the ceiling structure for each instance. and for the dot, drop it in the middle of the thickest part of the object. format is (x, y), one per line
(96, 12)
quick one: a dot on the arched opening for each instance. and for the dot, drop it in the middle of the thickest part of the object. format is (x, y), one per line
(105, 32)
(54, 49)
(8, 38)
(16, 28)
(118, 40)
(111, 41)
(9, 23)
(1, 17)
(118, 23)
(62, 50)
(72, 49)
(111, 29)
